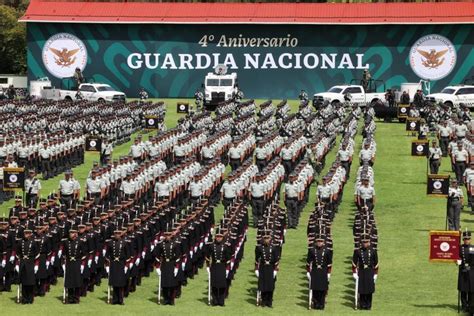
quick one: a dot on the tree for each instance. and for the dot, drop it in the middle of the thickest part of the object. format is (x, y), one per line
(12, 41)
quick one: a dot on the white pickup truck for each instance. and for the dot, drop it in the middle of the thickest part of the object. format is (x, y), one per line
(454, 95)
(357, 93)
(88, 91)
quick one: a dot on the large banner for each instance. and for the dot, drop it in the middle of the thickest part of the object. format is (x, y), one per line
(444, 246)
(272, 61)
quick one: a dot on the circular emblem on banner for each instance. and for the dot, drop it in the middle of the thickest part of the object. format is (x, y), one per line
(437, 185)
(13, 178)
(182, 107)
(419, 148)
(93, 143)
(151, 122)
(444, 246)
(63, 53)
(412, 124)
(432, 57)
(403, 110)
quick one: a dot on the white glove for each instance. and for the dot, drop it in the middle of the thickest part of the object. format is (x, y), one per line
(191, 254)
(4, 263)
(144, 253)
(137, 262)
(200, 245)
(355, 276)
(47, 265)
(125, 270)
(158, 271)
(82, 269)
(208, 270)
(231, 265)
(308, 275)
(96, 259)
(175, 272)
(60, 253)
(226, 274)
(36, 269)
(107, 269)
(64, 267)
(274, 274)
(53, 259)
(89, 263)
(459, 262)
(183, 266)
(329, 276)
(12, 258)
(257, 274)
(152, 246)
(375, 278)
(17, 269)
(103, 252)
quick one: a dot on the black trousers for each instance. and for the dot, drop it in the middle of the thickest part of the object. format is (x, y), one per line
(267, 298)
(234, 163)
(257, 209)
(73, 295)
(169, 294)
(218, 296)
(365, 301)
(319, 299)
(434, 166)
(465, 296)
(27, 294)
(31, 200)
(117, 297)
(292, 208)
(459, 168)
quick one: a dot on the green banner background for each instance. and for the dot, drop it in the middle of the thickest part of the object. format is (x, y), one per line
(385, 48)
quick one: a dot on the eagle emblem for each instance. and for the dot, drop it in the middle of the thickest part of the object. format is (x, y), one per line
(64, 57)
(433, 59)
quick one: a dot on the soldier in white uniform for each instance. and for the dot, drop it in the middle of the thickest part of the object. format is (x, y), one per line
(434, 157)
(444, 133)
(95, 188)
(365, 195)
(45, 158)
(292, 191)
(257, 190)
(32, 189)
(106, 151)
(460, 159)
(66, 190)
(454, 207)
(136, 151)
(128, 188)
(229, 192)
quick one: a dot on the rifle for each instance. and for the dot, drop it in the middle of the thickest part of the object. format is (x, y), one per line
(356, 294)
(64, 288)
(209, 288)
(159, 289)
(108, 288)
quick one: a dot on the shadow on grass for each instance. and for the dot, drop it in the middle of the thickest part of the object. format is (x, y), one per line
(450, 306)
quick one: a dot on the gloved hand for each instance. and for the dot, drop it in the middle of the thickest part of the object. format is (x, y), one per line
(103, 252)
(60, 253)
(257, 274)
(107, 269)
(4, 263)
(175, 272)
(183, 266)
(64, 267)
(143, 254)
(12, 259)
(17, 269)
(274, 274)
(208, 270)
(137, 262)
(125, 270)
(89, 263)
(355, 276)
(231, 265)
(47, 265)
(82, 269)
(158, 271)
(459, 262)
(36, 269)
(329, 276)
(226, 274)
(53, 259)
(375, 278)
(96, 259)
(308, 275)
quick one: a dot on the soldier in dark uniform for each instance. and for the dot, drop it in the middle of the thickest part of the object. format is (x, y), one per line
(218, 259)
(74, 254)
(318, 266)
(267, 259)
(168, 255)
(43, 261)
(117, 256)
(365, 267)
(27, 252)
(466, 273)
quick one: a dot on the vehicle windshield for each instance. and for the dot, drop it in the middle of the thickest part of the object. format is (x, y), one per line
(105, 88)
(226, 82)
(335, 90)
(448, 91)
(212, 82)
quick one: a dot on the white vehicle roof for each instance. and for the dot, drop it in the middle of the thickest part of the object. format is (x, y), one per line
(229, 76)
(458, 86)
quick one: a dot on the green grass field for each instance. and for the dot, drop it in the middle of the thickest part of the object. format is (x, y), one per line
(408, 283)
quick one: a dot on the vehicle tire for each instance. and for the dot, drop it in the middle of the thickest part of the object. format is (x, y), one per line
(372, 103)
(449, 103)
(101, 100)
(333, 102)
(68, 98)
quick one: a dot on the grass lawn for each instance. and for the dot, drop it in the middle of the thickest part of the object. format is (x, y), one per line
(408, 283)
